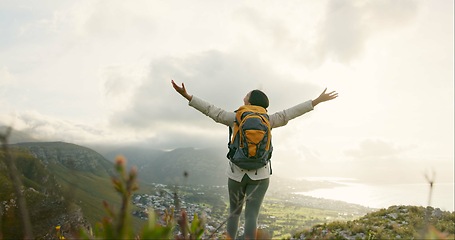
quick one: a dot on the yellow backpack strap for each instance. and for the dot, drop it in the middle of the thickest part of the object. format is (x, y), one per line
(233, 132)
(235, 127)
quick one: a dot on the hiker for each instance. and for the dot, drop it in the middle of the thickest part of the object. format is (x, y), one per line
(249, 186)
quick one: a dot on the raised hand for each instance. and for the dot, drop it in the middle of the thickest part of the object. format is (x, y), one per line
(325, 97)
(181, 90)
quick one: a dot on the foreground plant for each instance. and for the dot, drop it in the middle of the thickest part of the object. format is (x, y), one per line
(5, 155)
(117, 225)
(190, 231)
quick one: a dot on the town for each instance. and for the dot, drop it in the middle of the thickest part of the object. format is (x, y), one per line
(281, 214)
(192, 200)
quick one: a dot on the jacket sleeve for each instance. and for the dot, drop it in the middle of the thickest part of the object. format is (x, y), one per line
(217, 114)
(281, 118)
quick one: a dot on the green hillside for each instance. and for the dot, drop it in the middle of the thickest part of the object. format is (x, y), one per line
(82, 174)
(45, 199)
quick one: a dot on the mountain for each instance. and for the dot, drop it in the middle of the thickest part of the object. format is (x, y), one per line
(183, 166)
(74, 164)
(137, 155)
(189, 166)
(68, 155)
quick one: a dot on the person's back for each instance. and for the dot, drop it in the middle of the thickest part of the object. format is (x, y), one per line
(250, 146)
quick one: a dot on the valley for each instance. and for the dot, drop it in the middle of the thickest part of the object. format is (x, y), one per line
(282, 213)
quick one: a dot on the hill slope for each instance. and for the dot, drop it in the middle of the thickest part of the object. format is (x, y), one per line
(46, 201)
(83, 174)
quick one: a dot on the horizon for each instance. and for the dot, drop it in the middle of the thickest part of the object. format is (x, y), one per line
(348, 189)
(419, 177)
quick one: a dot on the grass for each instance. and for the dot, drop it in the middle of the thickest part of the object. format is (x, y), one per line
(283, 219)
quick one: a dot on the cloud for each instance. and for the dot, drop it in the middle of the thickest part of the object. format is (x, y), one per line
(46, 128)
(342, 35)
(108, 19)
(348, 25)
(389, 14)
(118, 84)
(337, 31)
(272, 29)
(374, 149)
(220, 78)
(6, 77)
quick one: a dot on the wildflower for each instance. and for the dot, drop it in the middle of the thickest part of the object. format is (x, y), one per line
(120, 160)
(59, 233)
(120, 163)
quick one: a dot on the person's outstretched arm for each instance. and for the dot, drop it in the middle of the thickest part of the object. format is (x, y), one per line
(324, 97)
(182, 90)
(281, 118)
(217, 114)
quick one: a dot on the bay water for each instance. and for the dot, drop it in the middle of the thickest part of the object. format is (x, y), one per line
(385, 195)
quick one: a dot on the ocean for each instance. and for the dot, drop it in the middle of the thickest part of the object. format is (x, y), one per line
(385, 195)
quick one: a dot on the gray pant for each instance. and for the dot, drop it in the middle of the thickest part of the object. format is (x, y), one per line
(252, 192)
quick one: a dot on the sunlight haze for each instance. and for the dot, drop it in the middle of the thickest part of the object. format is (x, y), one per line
(99, 72)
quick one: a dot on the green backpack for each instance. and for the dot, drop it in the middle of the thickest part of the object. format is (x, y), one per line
(250, 141)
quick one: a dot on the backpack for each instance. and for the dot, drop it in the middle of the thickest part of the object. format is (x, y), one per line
(250, 147)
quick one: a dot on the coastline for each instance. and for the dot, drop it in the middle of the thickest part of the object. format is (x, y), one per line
(385, 195)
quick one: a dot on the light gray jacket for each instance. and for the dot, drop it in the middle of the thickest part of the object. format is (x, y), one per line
(277, 119)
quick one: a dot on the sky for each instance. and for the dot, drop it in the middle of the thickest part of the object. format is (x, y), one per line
(99, 71)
